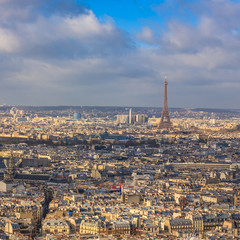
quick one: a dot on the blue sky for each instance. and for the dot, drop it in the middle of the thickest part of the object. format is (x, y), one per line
(132, 15)
(108, 52)
(129, 15)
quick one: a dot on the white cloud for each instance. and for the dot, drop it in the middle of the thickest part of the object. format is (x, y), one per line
(76, 59)
(8, 41)
(146, 35)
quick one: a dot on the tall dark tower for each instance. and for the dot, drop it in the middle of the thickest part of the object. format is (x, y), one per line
(165, 119)
(10, 168)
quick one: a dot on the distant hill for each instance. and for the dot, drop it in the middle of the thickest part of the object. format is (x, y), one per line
(114, 109)
(215, 110)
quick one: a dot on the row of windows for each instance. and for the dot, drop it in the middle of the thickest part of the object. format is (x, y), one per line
(55, 231)
(181, 227)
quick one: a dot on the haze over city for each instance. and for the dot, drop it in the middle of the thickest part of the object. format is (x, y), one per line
(117, 53)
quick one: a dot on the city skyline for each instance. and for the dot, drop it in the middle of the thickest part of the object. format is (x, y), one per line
(117, 53)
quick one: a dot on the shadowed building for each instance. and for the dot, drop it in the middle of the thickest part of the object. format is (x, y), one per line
(12, 178)
(7, 183)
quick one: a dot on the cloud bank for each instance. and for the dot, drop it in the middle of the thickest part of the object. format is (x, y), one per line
(60, 53)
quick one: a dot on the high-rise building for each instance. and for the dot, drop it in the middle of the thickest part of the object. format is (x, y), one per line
(212, 119)
(141, 118)
(76, 116)
(126, 118)
(130, 116)
(122, 118)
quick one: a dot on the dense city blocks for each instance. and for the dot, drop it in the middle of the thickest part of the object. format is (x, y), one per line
(112, 173)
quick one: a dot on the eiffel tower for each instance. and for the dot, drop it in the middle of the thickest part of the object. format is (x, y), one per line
(165, 119)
